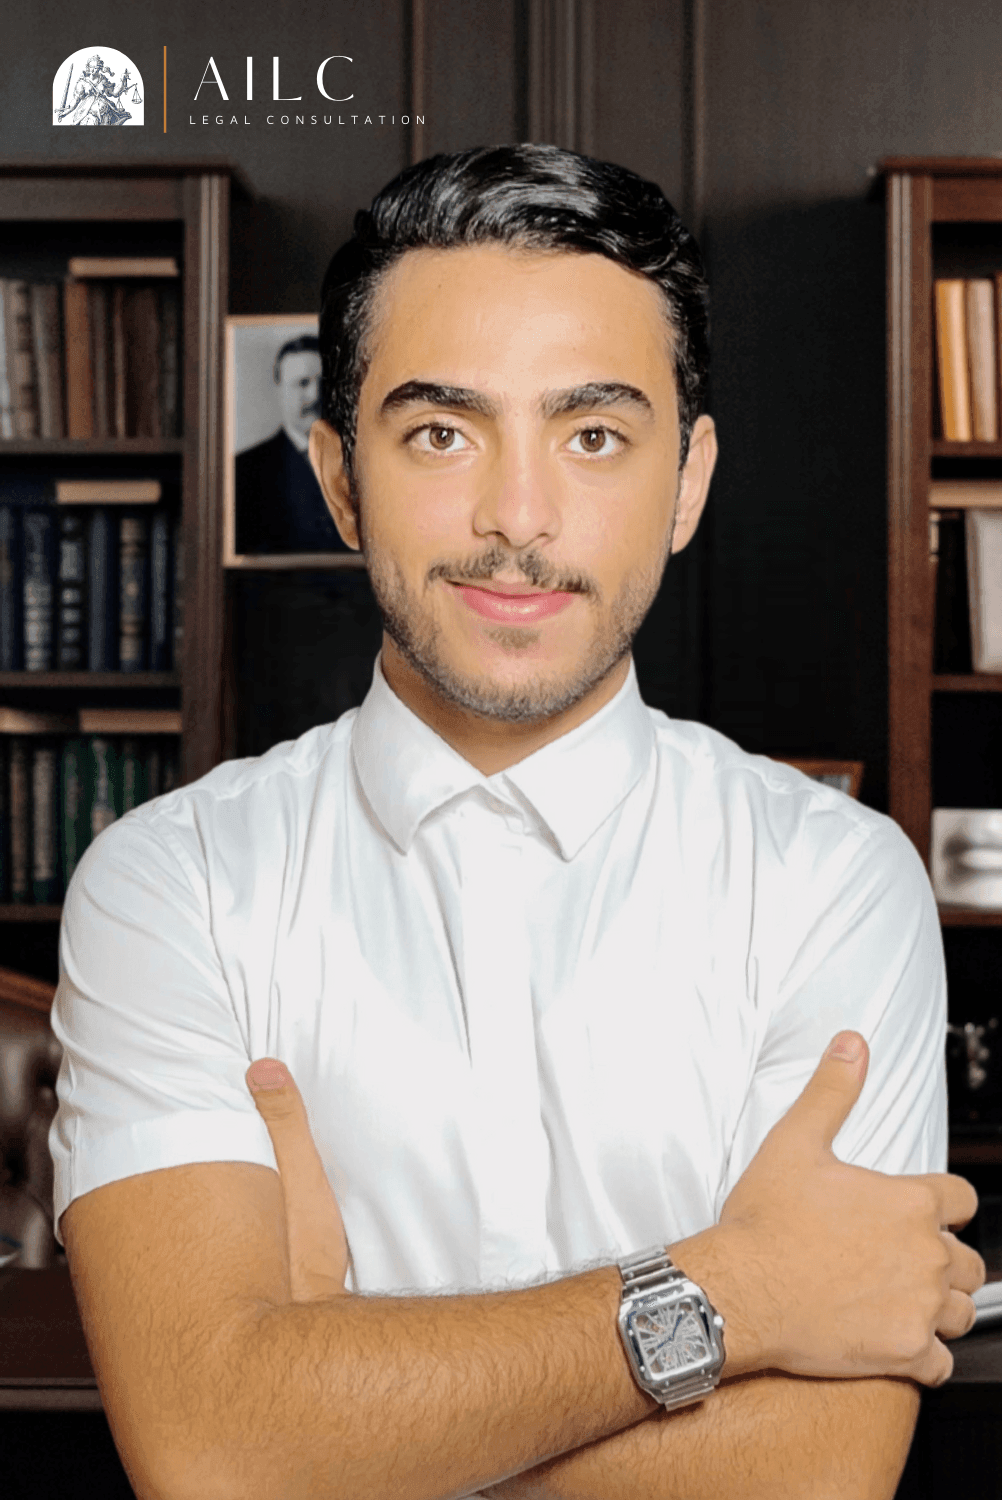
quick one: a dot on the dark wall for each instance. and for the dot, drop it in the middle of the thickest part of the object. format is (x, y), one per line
(774, 627)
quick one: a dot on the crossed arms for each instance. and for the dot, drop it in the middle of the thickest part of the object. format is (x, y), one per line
(232, 1363)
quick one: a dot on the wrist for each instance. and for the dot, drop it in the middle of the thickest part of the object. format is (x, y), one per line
(719, 1261)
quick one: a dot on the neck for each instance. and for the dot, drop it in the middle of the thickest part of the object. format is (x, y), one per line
(296, 438)
(492, 745)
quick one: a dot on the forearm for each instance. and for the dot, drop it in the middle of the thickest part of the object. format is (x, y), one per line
(414, 1397)
(761, 1438)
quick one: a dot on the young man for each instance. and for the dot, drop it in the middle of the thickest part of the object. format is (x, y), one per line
(553, 974)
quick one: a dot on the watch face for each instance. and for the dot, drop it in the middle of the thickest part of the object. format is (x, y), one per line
(672, 1337)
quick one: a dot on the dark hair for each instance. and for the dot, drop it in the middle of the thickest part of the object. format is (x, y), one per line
(307, 343)
(529, 197)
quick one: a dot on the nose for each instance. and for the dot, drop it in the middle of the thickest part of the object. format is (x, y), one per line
(519, 502)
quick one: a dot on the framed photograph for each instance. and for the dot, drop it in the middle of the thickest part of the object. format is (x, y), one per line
(274, 514)
(844, 775)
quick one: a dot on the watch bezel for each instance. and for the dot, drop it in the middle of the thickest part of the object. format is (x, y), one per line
(691, 1382)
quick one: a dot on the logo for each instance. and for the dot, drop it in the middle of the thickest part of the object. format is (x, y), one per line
(97, 86)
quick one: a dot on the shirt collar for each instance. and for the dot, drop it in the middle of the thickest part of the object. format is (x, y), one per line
(407, 771)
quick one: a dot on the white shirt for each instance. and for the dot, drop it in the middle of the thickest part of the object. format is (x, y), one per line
(538, 1018)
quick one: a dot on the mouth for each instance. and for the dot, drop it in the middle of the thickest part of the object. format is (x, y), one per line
(512, 603)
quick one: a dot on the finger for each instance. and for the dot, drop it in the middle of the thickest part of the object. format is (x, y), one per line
(318, 1248)
(967, 1269)
(956, 1201)
(957, 1316)
(934, 1367)
(821, 1109)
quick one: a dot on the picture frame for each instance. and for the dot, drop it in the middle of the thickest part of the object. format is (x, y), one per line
(844, 775)
(274, 515)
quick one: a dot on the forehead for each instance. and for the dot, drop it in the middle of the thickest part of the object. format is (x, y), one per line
(555, 317)
(299, 366)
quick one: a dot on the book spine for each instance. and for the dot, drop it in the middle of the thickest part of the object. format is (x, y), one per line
(171, 766)
(170, 360)
(79, 369)
(102, 592)
(177, 595)
(74, 807)
(48, 342)
(133, 780)
(119, 426)
(6, 398)
(39, 590)
(71, 653)
(11, 603)
(160, 642)
(142, 380)
(100, 354)
(979, 303)
(45, 883)
(21, 360)
(20, 822)
(4, 822)
(102, 771)
(952, 362)
(153, 769)
(133, 592)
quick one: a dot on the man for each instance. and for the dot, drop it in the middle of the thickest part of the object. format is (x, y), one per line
(553, 974)
(278, 502)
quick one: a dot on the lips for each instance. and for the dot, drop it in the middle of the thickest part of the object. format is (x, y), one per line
(518, 606)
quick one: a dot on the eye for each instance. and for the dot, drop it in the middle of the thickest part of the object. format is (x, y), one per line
(438, 437)
(597, 442)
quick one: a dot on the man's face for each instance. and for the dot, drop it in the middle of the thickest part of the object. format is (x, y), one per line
(299, 390)
(516, 465)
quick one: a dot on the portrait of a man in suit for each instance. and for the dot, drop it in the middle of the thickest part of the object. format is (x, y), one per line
(279, 507)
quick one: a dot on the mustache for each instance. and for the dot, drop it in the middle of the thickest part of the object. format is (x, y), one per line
(533, 566)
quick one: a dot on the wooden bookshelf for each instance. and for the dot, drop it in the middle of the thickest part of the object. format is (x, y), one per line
(967, 682)
(17, 912)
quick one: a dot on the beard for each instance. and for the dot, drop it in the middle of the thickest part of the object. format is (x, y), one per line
(417, 635)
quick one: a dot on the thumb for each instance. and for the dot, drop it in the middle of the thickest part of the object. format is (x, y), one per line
(816, 1117)
(318, 1248)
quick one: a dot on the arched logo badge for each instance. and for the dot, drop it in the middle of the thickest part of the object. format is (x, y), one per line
(97, 86)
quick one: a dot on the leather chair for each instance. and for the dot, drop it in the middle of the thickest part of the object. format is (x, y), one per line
(29, 1061)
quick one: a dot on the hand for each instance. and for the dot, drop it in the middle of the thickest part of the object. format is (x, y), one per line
(318, 1247)
(831, 1270)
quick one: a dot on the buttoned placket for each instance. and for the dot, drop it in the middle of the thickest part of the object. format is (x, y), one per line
(511, 1144)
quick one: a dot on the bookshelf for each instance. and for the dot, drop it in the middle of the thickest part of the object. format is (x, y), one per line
(944, 219)
(179, 212)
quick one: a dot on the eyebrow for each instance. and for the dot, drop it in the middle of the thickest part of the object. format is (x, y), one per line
(593, 396)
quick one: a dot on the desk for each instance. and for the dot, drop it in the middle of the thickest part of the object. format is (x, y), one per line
(44, 1365)
(958, 1441)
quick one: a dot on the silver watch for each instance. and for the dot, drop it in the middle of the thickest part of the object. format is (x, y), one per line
(672, 1336)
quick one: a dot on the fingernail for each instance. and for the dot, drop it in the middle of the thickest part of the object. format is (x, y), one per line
(266, 1074)
(847, 1045)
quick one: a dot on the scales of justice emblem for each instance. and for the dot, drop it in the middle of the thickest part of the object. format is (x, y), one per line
(97, 86)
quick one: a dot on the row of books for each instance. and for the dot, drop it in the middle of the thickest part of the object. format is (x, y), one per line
(90, 586)
(56, 797)
(968, 324)
(96, 356)
(966, 550)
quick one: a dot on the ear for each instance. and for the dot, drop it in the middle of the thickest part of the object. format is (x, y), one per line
(695, 482)
(327, 458)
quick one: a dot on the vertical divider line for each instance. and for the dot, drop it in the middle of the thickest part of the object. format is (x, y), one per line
(165, 91)
(417, 78)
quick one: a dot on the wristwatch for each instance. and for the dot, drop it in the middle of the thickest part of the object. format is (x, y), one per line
(673, 1337)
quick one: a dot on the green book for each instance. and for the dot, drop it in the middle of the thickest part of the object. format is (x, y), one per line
(20, 821)
(75, 825)
(103, 765)
(132, 776)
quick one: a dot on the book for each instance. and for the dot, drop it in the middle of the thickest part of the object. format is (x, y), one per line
(11, 603)
(90, 266)
(979, 305)
(20, 359)
(133, 567)
(4, 823)
(74, 806)
(100, 356)
(111, 721)
(131, 775)
(141, 323)
(177, 594)
(100, 780)
(984, 583)
(45, 882)
(102, 591)
(965, 494)
(6, 402)
(71, 643)
(170, 360)
(39, 579)
(118, 426)
(47, 340)
(160, 621)
(19, 812)
(153, 769)
(107, 491)
(79, 367)
(952, 361)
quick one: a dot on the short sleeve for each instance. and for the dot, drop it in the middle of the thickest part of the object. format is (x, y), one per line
(154, 1054)
(861, 949)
